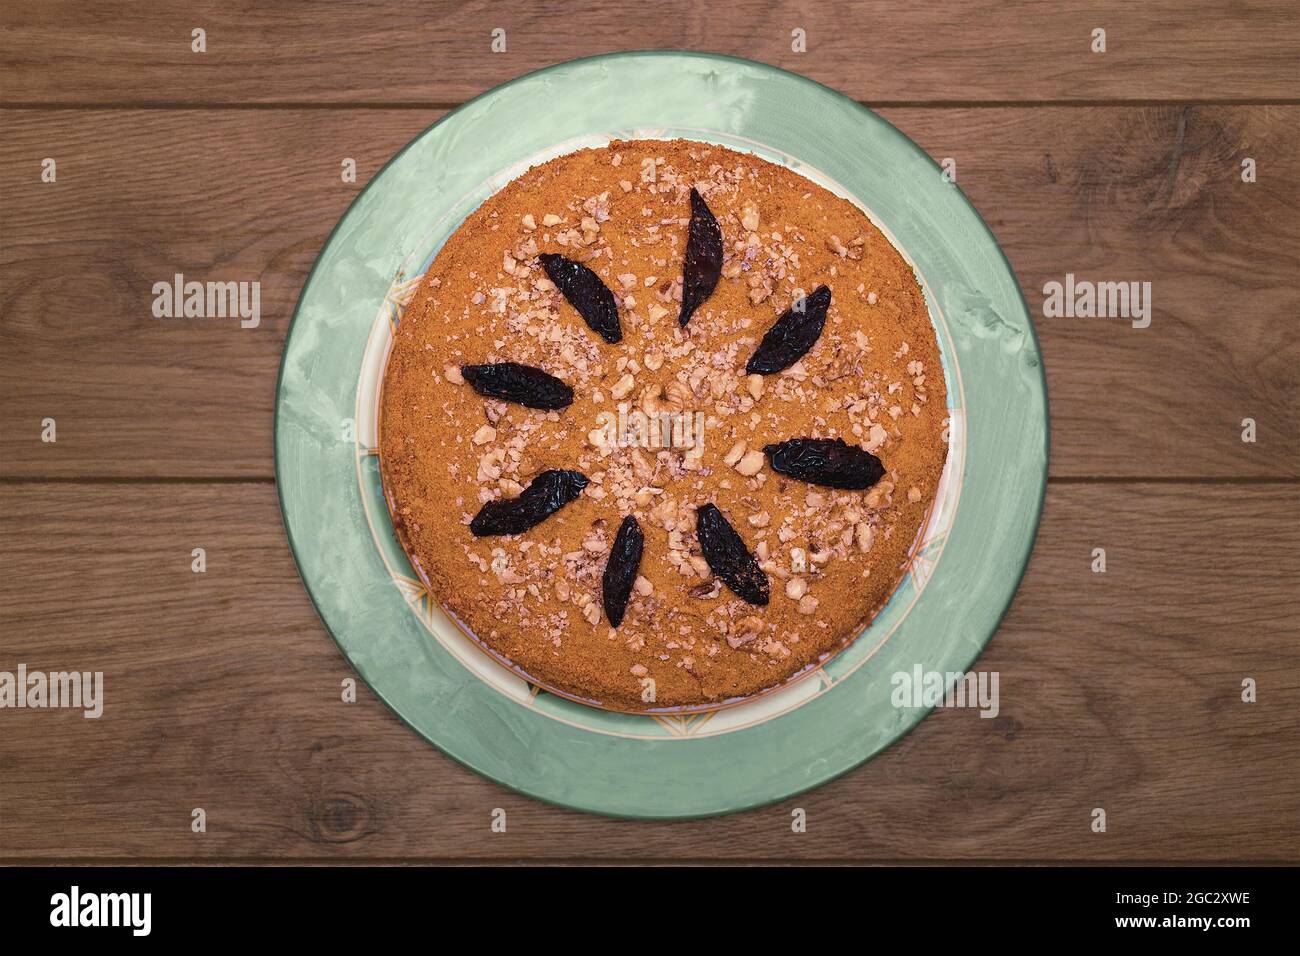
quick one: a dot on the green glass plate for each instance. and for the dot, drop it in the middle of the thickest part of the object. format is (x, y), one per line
(965, 564)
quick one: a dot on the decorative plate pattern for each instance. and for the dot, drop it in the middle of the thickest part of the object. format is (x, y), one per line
(965, 563)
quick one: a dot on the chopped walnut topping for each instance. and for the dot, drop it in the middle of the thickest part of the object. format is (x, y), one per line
(744, 631)
(877, 437)
(751, 463)
(879, 495)
(865, 536)
(679, 396)
(623, 387)
(707, 591)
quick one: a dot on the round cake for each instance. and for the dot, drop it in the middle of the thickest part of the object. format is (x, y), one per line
(662, 423)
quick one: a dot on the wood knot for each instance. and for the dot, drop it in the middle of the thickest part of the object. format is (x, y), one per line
(1160, 167)
(1008, 727)
(341, 818)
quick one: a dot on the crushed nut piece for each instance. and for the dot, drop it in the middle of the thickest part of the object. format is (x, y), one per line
(751, 463)
(865, 535)
(623, 387)
(878, 495)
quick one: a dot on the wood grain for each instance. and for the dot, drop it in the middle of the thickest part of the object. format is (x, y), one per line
(60, 51)
(1122, 193)
(1118, 690)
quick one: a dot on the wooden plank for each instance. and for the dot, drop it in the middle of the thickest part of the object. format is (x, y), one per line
(60, 51)
(1107, 193)
(1118, 690)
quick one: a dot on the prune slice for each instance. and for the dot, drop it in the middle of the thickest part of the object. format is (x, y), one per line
(620, 571)
(548, 493)
(728, 557)
(825, 461)
(524, 384)
(586, 293)
(793, 335)
(703, 258)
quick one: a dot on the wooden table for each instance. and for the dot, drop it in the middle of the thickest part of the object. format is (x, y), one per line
(1120, 690)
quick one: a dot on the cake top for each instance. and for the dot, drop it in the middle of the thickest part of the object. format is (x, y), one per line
(678, 376)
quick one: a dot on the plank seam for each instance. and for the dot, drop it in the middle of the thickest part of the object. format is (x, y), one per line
(56, 106)
(625, 861)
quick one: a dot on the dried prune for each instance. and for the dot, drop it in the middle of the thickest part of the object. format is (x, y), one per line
(586, 293)
(728, 557)
(703, 258)
(546, 494)
(523, 384)
(793, 335)
(825, 461)
(620, 570)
